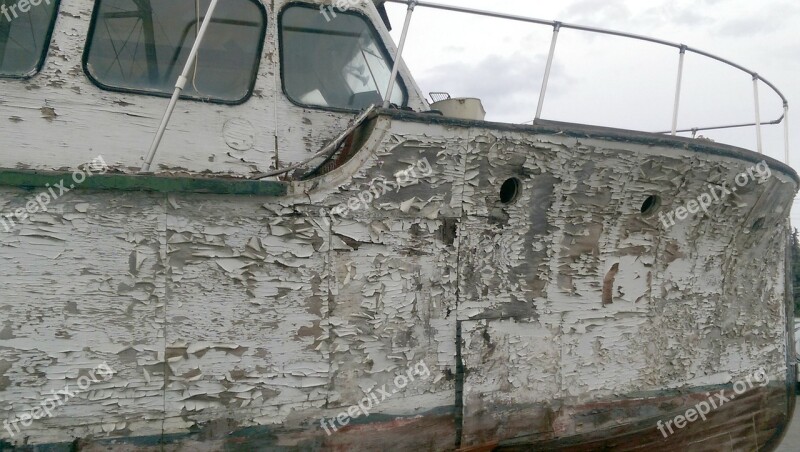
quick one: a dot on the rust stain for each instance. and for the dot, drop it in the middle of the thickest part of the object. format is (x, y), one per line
(608, 285)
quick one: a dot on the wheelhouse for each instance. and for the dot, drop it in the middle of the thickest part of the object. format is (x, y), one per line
(271, 84)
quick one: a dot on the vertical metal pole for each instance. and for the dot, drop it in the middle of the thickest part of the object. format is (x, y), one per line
(758, 114)
(678, 91)
(179, 85)
(786, 132)
(556, 28)
(396, 68)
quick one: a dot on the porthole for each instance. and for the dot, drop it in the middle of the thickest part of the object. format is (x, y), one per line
(510, 190)
(650, 205)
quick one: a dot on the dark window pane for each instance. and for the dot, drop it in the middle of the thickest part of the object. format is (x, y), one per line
(25, 30)
(142, 46)
(334, 62)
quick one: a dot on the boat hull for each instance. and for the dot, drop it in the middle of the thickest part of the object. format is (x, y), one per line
(559, 312)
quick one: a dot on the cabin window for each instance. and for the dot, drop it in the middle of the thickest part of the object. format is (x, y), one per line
(25, 31)
(335, 62)
(142, 46)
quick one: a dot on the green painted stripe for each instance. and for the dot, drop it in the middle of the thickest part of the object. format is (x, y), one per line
(149, 183)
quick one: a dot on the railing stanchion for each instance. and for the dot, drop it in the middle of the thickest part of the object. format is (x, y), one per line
(396, 67)
(556, 28)
(678, 91)
(758, 114)
(786, 132)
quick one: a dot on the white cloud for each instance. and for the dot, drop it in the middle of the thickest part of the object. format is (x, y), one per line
(758, 20)
(508, 85)
(596, 12)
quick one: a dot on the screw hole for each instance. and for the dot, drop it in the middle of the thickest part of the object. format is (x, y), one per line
(650, 205)
(509, 191)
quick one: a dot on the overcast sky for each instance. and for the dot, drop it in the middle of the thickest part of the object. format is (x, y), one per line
(616, 82)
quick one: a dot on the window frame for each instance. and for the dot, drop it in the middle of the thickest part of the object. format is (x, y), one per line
(401, 83)
(45, 48)
(250, 90)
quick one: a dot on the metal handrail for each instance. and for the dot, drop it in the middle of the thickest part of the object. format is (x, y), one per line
(728, 126)
(557, 26)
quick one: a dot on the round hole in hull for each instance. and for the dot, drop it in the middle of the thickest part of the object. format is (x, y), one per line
(650, 205)
(510, 190)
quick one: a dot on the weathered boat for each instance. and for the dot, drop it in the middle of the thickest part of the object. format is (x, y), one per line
(292, 267)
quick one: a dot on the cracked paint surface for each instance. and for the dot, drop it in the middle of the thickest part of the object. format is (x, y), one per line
(221, 313)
